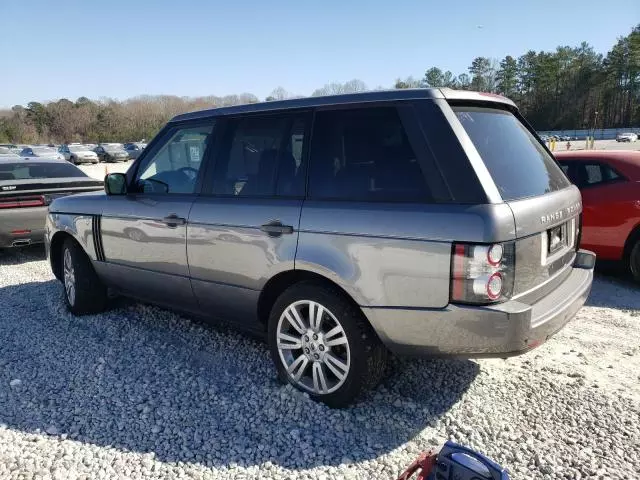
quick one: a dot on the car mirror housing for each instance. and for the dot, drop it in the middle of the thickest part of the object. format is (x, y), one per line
(115, 184)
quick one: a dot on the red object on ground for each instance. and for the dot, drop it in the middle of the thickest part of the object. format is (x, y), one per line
(423, 465)
(610, 185)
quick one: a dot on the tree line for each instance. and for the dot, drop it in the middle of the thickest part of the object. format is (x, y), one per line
(569, 88)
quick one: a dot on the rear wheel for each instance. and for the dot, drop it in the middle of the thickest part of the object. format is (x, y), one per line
(322, 344)
(83, 291)
(634, 261)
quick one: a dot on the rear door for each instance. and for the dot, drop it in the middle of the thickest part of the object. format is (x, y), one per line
(144, 232)
(545, 206)
(243, 230)
(605, 198)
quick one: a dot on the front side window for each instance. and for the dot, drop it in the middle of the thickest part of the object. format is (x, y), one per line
(364, 154)
(517, 162)
(175, 166)
(262, 157)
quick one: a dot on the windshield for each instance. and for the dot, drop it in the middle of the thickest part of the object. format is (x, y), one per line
(44, 150)
(518, 163)
(78, 148)
(112, 148)
(26, 171)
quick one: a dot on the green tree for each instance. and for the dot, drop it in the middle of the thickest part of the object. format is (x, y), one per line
(482, 76)
(507, 77)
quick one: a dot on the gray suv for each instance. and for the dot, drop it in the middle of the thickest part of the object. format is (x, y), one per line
(428, 222)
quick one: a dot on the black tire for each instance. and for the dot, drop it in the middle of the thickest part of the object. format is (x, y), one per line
(90, 293)
(368, 357)
(634, 261)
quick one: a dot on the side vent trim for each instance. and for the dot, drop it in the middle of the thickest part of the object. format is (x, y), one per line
(97, 237)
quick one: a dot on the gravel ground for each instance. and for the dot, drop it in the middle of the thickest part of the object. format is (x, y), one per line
(139, 392)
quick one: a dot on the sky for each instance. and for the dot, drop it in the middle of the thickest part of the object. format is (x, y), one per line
(52, 49)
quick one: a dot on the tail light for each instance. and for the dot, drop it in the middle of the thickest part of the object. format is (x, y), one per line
(482, 274)
(23, 202)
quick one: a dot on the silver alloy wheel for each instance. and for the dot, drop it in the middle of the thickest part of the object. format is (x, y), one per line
(69, 277)
(313, 347)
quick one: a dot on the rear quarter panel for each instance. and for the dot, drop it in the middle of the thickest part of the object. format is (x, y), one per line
(393, 255)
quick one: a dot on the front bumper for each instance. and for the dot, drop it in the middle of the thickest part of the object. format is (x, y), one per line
(22, 226)
(501, 330)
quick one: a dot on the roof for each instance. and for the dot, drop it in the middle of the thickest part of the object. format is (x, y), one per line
(586, 155)
(345, 99)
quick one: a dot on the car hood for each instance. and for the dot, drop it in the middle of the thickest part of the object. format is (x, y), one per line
(88, 203)
(84, 153)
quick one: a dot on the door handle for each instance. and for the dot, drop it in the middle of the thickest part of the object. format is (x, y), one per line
(276, 228)
(173, 220)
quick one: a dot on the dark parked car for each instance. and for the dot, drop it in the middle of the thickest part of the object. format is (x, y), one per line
(428, 222)
(610, 186)
(112, 153)
(26, 188)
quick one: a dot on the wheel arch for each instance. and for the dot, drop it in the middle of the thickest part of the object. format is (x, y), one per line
(283, 280)
(55, 252)
(633, 237)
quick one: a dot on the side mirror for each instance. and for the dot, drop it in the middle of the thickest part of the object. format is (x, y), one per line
(115, 184)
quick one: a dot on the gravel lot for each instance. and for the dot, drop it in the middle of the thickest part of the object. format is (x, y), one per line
(140, 392)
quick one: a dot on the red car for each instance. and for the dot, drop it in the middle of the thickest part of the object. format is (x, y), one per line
(610, 186)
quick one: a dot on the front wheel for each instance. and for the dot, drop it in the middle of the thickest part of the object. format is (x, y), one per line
(634, 261)
(84, 293)
(322, 344)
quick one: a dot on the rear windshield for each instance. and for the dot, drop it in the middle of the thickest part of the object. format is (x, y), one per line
(24, 171)
(518, 163)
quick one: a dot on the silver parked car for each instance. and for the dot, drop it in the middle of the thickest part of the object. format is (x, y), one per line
(428, 222)
(76, 153)
(626, 137)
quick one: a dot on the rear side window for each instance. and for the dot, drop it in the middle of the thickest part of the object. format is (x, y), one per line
(24, 171)
(262, 157)
(584, 174)
(364, 155)
(518, 163)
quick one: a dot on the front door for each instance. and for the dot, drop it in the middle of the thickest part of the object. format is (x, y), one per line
(243, 230)
(144, 232)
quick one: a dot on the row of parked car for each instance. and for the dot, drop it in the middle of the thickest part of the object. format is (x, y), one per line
(620, 137)
(78, 153)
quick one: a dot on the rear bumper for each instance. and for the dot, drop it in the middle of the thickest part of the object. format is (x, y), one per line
(22, 226)
(502, 330)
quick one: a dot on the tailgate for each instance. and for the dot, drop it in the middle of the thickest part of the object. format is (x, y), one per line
(547, 230)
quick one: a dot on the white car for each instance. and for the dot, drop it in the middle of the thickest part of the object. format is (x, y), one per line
(77, 153)
(41, 152)
(627, 137)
